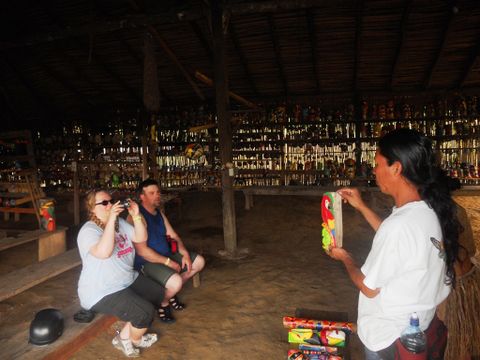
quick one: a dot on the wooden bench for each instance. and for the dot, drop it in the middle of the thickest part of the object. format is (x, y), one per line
(50, 243)
(75, 335)
(24, 278)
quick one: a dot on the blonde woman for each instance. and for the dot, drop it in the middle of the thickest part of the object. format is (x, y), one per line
(108, 283)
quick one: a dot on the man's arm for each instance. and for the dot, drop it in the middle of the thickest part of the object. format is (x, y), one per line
(152, 256)
(353, 271)
(171, 232)
(186, 261)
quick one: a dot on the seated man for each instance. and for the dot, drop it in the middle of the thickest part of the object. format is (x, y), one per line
(155, 256)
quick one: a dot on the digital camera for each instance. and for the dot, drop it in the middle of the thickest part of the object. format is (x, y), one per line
(125, 203)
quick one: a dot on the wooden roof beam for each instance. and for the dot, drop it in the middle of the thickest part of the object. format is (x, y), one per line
(312, 36)
(107, 69)
(276, 49)
(51, 13)
(102, 11)
(173, 57)
(203, 41)
(73, 63)
(63, 82)
(243, 60)
(39, 99)
(100, 26)
(358, 30)
(7, 104)
(443, 38)
(471, 62)
(175, 60)
(401, 40)
(279, 5)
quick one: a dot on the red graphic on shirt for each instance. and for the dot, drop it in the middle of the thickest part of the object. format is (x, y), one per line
(123, 244)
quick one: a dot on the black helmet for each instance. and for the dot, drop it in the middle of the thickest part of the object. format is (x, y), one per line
(46, 327)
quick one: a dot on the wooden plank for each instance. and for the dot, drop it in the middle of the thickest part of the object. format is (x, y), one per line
(196, 280)
(22, 279)
(75, 335)
(17, 210)
(78, 335)
(28, 236)
(52, 243)
(23, 200)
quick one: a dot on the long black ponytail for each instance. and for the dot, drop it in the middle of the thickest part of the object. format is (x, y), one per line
(415, 153)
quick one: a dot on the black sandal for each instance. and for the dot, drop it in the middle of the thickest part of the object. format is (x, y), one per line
(165, 314)
(176, 303)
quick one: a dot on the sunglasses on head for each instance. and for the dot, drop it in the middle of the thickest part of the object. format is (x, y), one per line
(105, 202)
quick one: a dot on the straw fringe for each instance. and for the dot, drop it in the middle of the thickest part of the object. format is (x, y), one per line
(462, 317)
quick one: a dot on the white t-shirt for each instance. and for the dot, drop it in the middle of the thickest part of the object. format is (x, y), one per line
(101, 277)
(407, 265)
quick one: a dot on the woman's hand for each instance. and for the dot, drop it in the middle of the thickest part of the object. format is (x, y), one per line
(352, 196)
(338, 254)
(115, 210)
(133, 209)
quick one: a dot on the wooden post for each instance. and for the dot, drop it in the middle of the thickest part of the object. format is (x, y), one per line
(76, 197)
(224, 127)
(145, 158)
(357, 103)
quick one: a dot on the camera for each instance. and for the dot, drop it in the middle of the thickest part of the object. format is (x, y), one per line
(125, 203)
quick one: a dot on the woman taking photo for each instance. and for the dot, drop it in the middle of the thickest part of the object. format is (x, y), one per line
(108, 283)
(410, 266)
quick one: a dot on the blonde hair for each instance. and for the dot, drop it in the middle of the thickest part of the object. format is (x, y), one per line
(90, 205)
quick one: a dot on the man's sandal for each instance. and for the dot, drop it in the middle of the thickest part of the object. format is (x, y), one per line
(176, 303)
(165, 314)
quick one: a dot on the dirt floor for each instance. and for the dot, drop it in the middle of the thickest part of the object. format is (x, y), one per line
(237, 311)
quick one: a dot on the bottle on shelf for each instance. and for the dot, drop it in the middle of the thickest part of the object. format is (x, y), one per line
(413, 338)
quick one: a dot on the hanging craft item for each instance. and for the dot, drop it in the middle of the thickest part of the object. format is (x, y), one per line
(194, 151)
(332, 227)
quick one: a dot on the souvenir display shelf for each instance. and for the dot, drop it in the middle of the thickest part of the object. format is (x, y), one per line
(299, 144)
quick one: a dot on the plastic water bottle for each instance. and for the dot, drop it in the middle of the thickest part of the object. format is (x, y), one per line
(413, 338)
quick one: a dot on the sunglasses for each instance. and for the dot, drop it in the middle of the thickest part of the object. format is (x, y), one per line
(105, 202)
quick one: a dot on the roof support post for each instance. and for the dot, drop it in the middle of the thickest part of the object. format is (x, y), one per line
(224, 128)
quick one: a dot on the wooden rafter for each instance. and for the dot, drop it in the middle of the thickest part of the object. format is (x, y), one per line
(470, 64)
(242, 58)
(77, 68)
(401, 40)
(312, 36)
(358, 30)
(50, 11)
(199, 34)
(62, 81)
(276, 50)
(7, 104)
(173, 57)
(244, 8)
(121, 39)
(206, 80)
(175, 60)
(39, 99)
(100, 26)
(443, 39)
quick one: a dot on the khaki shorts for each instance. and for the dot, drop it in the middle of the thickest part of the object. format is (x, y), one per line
(161, 273)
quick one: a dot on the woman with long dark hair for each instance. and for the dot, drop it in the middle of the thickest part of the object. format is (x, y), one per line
(410, 267)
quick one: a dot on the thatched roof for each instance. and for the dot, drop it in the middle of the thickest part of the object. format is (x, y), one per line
(72, 59)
